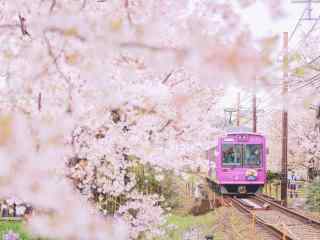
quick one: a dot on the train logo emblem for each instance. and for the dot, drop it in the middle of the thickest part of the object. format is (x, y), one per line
(251, 174)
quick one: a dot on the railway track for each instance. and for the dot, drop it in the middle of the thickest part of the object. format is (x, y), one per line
(274, 221)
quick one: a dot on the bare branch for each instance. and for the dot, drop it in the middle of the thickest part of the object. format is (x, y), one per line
(53, 4)
(39, 101)
(180, 133)
(166, 125)
(84, 3)
(23, 26)
(167, 77)
(126, 3)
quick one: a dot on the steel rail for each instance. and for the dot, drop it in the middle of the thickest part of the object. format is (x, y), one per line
(268, 227)
(285, 210)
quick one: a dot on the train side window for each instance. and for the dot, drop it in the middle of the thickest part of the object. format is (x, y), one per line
(231, 154)
(252, 155)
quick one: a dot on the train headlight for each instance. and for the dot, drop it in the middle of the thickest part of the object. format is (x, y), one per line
(242, 189)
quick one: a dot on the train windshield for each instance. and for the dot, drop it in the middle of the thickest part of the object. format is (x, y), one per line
(231, 154)
(244, 155)
(252, 155)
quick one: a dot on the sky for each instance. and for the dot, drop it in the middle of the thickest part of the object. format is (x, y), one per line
(262, 25)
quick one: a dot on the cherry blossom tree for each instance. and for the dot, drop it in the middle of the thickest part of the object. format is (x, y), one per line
(92, 89)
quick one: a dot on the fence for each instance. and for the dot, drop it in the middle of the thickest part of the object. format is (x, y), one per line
(273, 189)
(296, 198)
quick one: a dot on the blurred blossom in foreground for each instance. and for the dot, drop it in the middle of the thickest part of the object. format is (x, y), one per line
(10, 235)
(34, 171)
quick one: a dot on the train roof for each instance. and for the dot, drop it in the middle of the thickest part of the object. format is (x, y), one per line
(241, 130)
(248, 133)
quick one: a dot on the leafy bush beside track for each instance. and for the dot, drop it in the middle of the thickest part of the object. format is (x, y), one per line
(313, 196)
(271, 176)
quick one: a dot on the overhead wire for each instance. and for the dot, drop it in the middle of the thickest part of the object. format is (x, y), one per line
(277, 91)
(297, 24)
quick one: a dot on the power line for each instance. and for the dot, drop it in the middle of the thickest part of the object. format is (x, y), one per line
(297, 25)
(309, 8)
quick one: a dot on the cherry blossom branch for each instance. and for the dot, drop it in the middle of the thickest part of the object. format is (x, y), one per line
(130, 61)
(151, 47)
(65, 33)
(55, 58)
(9, 26)
(126, 6)
(176, 83)
(55, 62)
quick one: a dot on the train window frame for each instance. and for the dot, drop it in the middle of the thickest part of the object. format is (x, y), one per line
(244, 161)
(233, 164)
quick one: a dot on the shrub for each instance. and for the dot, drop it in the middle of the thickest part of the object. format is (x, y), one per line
(313, 195)
(271, 176)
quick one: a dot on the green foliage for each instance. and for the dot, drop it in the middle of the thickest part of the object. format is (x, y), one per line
(271, 176)
(313, 196)
(169, 186)
(14, 226)
(183, 223)
(17, 227)
(147, 183)
(299, 72)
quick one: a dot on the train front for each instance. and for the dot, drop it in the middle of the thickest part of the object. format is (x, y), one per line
(241, 163)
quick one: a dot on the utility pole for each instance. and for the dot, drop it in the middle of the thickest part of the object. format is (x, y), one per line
(228, 116)
(254, 111)
(284, 159)
(238, 110)
(254, 107)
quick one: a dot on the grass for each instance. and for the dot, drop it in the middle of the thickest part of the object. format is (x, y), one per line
(183, 223)
(15, 226)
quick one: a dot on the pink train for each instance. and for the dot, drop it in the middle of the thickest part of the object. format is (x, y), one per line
(237, 165)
